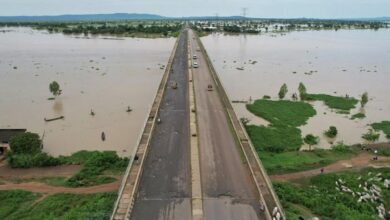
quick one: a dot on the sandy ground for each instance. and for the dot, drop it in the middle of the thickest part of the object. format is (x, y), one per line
(363, 160)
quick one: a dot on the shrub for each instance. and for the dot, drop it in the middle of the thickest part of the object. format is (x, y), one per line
(25, 143)
(283, 91)
(332, 132)
(371, 135)
(31, 160)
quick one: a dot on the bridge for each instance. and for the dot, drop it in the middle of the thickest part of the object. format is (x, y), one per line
(194, 159)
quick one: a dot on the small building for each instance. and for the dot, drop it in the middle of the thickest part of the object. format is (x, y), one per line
(5, 137)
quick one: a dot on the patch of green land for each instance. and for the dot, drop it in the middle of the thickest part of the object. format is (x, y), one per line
(282, 134)
(383, 126)
(324, 198)
(335, 102)
(282, 112)
(358, 115)
(295, 161)
(19, 205)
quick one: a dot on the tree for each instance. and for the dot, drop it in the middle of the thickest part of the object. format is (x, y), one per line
(332, 132)
(55, 88)
(283, 91)
(364, 99)
(311, 140)
(26, 143)
(302, 91)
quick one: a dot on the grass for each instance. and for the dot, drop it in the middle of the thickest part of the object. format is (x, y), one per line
(282, 134)
(295, 161)
(383, 126)
(335, 102)
(358, 115)
(19, 205)
(96, 167)
(282, 112)
(319, 195)
(274, 138)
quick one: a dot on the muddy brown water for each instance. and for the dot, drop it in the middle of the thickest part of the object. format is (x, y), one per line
(331, 62)
(103, 74)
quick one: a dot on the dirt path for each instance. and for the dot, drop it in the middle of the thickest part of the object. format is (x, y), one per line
(7, 172)
(363, 160)
(47, 189)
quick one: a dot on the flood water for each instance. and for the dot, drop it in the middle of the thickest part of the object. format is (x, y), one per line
(331, 62)
(103, 74)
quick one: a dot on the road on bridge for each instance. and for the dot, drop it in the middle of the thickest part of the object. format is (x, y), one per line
(165, 185)
(229, 191)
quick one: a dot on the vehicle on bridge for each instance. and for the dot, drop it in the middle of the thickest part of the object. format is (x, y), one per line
(195, 65)
(194, 57)
(209, 87)
(174, 85)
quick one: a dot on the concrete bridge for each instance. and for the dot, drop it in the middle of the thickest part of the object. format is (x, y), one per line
(194, 159)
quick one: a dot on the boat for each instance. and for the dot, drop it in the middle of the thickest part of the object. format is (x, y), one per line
(54, 119)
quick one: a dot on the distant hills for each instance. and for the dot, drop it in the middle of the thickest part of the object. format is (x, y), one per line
(136, 16)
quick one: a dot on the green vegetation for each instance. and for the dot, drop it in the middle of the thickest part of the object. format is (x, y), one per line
(371, 135)
(364, 99)
(26, 151)
(19, 205)
(358, 115)
(54, 88)
(283, 91)
(266, 97)
(335, 102)
(295, 161)
(285, 117)
(117, 28)
(383, 126)
(324, 196)
(332, 132)
(282, 112)
(26, 143)
(302, 91)
(274, 138)
(311, 140)
(94, 166)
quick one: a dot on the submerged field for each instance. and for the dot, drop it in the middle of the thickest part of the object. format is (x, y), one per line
(344, 63)
(100, 73)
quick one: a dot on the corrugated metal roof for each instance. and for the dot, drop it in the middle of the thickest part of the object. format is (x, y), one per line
(7, 134)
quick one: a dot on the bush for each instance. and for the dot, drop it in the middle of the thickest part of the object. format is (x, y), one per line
(31, 160)
(332, 132)
(371, 135)
(26, 143)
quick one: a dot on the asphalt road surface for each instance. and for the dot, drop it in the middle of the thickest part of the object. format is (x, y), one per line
(229, 192)
(165, 187)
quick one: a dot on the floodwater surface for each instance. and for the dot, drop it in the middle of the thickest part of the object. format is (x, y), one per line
(331, 62)
(105, 75)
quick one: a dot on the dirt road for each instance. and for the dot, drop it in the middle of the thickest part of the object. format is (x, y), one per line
(48, 189)
(362, 161)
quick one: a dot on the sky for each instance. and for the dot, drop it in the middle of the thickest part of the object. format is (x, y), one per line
(179, 8)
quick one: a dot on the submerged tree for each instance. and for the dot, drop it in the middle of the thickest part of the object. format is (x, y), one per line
(364, 99)
(55, 88)
(283, 91)
(302, 91)
(332, 132)
(311, 140)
